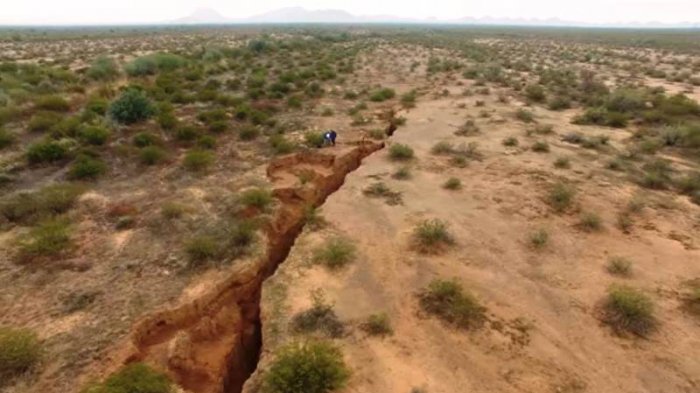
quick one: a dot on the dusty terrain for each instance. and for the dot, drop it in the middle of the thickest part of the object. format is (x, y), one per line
(199, 272)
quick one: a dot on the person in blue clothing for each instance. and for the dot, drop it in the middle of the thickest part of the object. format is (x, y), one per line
(329, 137)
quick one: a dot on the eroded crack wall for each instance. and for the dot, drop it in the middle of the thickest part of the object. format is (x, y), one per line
(212, 344)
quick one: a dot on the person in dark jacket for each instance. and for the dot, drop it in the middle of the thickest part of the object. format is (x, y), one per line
(329, 137)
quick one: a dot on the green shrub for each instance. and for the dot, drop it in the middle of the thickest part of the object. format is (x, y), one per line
(335, 253)
(202, 248)
(43, 121)
(540, 147)
(151, 64)
(452, 184)
(313, 139)
(312, 367)
(6, 139)
(103, 68)
(30, 207)
(97, 106)
(619, 266)
(562, 163)
(87, 167)
(186, 133)
(403, 173)
(447, 300)
(152, 155)
(46, 152)
(381, 190)
(248, 133)
(143, 139)
(558, 103)
(431, 236)
(524, 115)
(319, 318)
(442, 148)
(539, 238)
(561, 196)
(590, 222)
(378, 325)
(94, 135)
(627, 310)
(258, 198)
(281, 145)
(20, 350)
(382, 95)
(132, 106)
(206, 142)
(134, 378)
(198, 160)
(511, 141)
(535, 93)
(400, 152)
(53, 103)
(50, 239)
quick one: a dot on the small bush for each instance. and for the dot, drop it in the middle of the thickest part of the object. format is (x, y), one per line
(313, 367)
(248, 133)
(590, 222)
(53, 103)
(540, 147)
(206, 142)
(381, 190)
(7, 139)
(31, 207)
(627, 310)
(442, 148)
(400, 152)
(535, 93)
(202, 248)
(320, 318)
(378, 325)
(43, 121)
(431, 236)
(94, 135)
(46, 152)
(382, 95)
(335, 253)
(281, 145)
(198, 160)
(49, 239)
(524, 115)
(539, 238)
(134, 378)
(258, 198)
(447, 300)
(186, 133)
(619, 266)
(313, 139)
(561, 196)
(403, 173)
(20, 350)
(452, 184)
(511, 141)
(132, 106)
(562, 163)
(143, 139)
(103, 68)
(87, 167)
(152, 155)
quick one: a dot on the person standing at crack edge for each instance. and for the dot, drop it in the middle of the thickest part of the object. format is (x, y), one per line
(329, 137)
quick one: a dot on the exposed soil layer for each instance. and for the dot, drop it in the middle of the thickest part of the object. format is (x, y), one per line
(212, 344)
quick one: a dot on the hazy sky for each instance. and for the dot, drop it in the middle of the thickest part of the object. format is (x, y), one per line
(139, 11)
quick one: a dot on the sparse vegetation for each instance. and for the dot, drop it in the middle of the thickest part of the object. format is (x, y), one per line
(311, 367)
(561, 196)
(432, 236)
(335, 253)
(619, 266)
(378, 325)
(447, 300)
(20, 351)
(628, 310)
(400, 152)
(134, 378)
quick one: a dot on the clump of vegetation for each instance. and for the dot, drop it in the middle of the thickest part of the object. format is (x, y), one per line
(46, 152)
(203, 248)
(319, 318)
(469, 128)
(511, 141)
(619, 266)
(312, 367)
(152, 155)
(198, 160)
(452, 184)
(30, 207)
(562, 163)
(561, 196)
(692, 299)
(281, 145)
(447, 300)
(134, 378)
(628, 310)
(335, 253)
(381, 190)
(94, 135)
(400, 152)
(442, 148)
(432, 236)
(403, 173)
(524, 115)
(132, 106)
(53, 103)
(540, 147)
(539, 239)
(51, 238)
(378, 325)
(382, 95)
(20, 351)
(590, 222)
(87, 167)
(258, 198)
(103, 68)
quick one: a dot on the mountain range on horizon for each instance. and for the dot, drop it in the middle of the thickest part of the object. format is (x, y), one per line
(303, 15)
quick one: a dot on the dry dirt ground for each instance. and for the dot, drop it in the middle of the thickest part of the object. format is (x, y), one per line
(544, 334)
